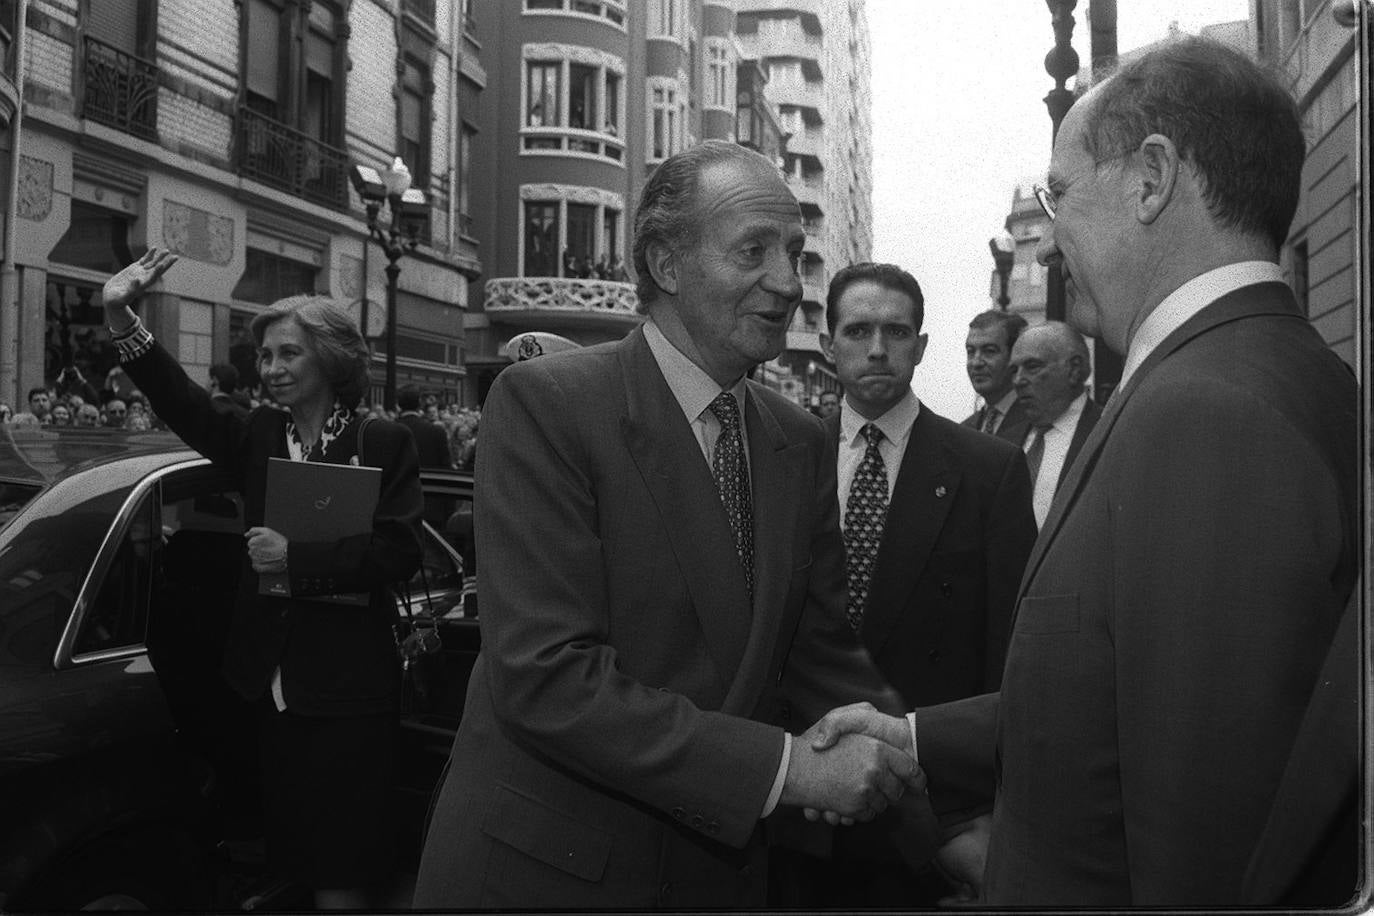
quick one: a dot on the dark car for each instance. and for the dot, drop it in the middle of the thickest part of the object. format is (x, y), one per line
(127, 767)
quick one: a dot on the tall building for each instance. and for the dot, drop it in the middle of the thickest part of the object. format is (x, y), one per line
(1026, 281)
(816, 55)
(225, 132)
(1321, 257)
(1319, 56)
(589, 96)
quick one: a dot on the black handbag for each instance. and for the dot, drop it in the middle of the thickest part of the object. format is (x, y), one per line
(420, 649)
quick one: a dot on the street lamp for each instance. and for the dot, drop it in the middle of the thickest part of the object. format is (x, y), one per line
(1003, 248)
(408, 211)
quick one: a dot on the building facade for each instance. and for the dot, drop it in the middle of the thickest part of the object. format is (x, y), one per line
(1304, 39)
(816, 55)
(590, 96)
(1321, 257)
(224, 132)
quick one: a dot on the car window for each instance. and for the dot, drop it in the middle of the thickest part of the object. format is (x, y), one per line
(452, 580)
(13, 497)
(117, 616)
(45, 555)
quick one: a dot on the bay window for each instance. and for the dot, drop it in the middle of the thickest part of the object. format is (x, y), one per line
(573, 102)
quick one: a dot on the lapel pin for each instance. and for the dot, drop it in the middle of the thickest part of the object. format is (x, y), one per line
(940, 492)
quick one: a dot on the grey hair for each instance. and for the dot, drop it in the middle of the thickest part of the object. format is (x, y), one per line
(667, 212)
(342, 351)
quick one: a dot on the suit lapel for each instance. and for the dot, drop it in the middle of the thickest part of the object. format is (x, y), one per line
(1259, 299)
(671, 464)
(925, 490)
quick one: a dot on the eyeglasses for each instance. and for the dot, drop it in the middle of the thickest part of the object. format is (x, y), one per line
(1045, 198)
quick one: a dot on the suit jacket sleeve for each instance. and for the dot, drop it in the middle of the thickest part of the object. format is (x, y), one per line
(391, 552)
(1219, 628)
(549, 657)
(185, 407)
(1010, 535)
(956, 743)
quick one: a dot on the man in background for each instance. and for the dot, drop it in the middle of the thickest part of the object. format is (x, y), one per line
(987, 350)
(430, 439)
(40, 404)
(1050, 366)
(224, 390)
(829, 404)
(937, 526)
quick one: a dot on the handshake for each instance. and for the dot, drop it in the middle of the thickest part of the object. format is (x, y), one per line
(851, 765)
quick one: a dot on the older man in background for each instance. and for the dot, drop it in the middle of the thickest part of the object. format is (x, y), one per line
(1050, 367)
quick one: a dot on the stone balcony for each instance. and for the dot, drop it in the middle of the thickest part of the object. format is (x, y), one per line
(545, 302)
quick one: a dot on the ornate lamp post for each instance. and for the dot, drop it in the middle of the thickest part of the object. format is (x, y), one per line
(408, 211)
(1061, 63)
(1003, 248)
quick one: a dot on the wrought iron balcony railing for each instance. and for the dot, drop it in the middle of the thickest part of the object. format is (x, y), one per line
(121, 90)
(285, 158)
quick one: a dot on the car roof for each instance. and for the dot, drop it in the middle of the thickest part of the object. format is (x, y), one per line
(44, 454)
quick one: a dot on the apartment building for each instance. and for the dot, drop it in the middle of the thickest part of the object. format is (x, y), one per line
(225, 132)
(817, 56)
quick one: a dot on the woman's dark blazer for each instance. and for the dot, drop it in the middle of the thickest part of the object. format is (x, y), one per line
(335, 659)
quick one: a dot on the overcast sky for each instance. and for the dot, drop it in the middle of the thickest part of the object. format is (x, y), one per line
(958, 119)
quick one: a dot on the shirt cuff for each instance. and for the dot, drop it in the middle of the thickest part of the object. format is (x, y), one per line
(132, 342)
(911, 720)
(780, 779)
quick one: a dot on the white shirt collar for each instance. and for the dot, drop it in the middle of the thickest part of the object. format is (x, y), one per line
(896, 424)
(1069, 418)
(693, 389)
(1189, 299)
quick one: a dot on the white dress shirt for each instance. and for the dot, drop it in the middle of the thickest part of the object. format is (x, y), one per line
(1189, 299)
(1057, 440)
(896, 425)
(694, 391)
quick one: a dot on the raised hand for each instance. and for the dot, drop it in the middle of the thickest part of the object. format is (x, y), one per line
(124, 288)
(857, 777)
(861, 719)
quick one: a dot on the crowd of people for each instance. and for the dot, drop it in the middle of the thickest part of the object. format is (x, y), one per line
(53, 405)
(1056, 654)
(57, 405)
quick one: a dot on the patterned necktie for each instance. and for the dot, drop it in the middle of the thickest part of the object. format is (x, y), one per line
(864, 516)
(732, 481)
(990, 415)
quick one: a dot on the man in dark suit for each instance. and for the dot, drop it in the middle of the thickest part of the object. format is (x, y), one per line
(987, 351)
(431, 441)
(1180, 658)
(224, 390)
(1050, 367)
(933, 578)
(662, 578)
